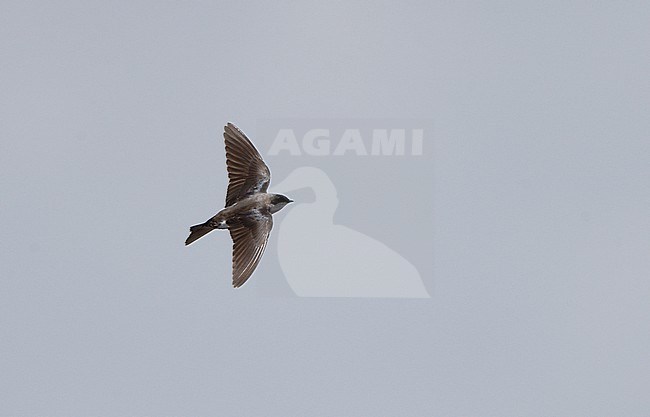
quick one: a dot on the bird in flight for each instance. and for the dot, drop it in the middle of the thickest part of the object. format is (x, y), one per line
(247, 214)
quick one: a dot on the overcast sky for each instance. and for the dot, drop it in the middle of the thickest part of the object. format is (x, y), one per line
(536, 251)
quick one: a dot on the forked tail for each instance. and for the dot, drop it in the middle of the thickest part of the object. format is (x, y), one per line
(197, 232)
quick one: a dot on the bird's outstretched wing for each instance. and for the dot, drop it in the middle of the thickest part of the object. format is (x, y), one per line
(247, 171)
(249, 234)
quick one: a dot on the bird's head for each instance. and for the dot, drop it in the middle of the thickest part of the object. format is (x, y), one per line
(278, 201)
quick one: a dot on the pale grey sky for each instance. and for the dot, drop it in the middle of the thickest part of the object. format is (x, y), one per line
(535, 254)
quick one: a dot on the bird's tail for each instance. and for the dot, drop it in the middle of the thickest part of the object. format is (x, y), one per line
(197, 232)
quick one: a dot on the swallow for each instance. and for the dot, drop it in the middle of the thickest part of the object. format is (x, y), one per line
(249, 208)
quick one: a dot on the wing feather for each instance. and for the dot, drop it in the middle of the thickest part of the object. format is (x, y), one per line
(250, 234)
(247, 172)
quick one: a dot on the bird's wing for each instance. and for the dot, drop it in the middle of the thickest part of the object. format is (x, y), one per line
(249, 234)
(247, 171)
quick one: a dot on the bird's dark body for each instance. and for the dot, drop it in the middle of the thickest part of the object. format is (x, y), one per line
(249, 208)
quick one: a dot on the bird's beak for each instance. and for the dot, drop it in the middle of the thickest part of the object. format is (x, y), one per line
(290, 200)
